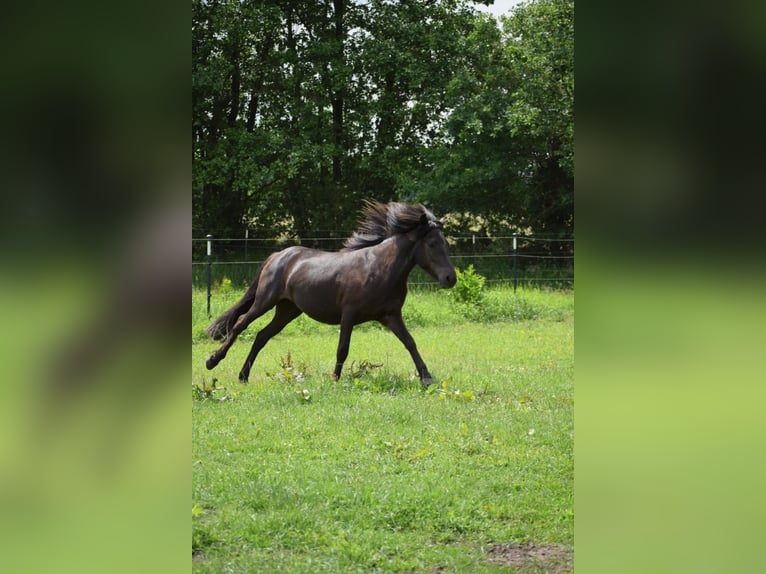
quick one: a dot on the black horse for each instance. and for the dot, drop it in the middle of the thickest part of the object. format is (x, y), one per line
(365, 281)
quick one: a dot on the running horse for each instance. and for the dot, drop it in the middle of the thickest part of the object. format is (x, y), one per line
(364, 281)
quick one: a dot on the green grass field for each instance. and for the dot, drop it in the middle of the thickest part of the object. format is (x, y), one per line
(297, 473)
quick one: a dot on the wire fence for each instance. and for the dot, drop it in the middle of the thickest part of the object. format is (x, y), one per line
(526, 261)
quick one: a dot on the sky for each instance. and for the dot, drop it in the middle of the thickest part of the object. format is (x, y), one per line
(499, 8)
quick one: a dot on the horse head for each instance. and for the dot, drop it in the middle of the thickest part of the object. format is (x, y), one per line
(431, 252)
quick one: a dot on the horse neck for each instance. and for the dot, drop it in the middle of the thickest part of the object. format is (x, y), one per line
(397, 255)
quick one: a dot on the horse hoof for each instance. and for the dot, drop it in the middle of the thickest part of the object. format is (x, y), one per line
(211, 362)
(243, 379)
(427, 382)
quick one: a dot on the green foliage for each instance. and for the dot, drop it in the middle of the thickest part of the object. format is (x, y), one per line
(294, 375)
(225, 286)
(362, 368)
(210, 392)
(289, 373)
(444, 391)
(508, 154)
(469, 287)
(299, 108)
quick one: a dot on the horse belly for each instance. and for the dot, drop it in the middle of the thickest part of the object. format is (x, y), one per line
(318, 300)
(326, 315)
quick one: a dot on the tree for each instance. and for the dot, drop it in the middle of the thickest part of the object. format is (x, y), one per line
(508, 152)
(232, 59)
(541, 114)
(302, 108)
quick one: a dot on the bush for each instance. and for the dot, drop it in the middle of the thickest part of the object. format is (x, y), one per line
(225, 286)
(469, 287)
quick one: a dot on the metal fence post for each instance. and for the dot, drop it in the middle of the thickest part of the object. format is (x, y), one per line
(514, 263)
(209, 271)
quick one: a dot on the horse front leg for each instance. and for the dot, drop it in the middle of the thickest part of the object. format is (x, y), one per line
(344, 342)
(398, 328)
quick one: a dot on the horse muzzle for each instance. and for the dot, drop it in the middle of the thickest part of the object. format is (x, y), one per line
(448, 280)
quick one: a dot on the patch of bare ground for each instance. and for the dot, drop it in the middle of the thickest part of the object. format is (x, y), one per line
(533, 558)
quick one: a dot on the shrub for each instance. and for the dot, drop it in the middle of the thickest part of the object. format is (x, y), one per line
(225, 285)
(469, 287)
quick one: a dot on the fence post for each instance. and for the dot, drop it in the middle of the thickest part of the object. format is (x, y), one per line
(514, 264)
(209, 271)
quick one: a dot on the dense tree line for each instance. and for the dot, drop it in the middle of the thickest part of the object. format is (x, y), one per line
(302, 108)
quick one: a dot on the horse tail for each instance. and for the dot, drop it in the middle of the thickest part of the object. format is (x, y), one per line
(219, 328)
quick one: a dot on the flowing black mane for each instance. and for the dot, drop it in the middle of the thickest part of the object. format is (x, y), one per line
(383, 220)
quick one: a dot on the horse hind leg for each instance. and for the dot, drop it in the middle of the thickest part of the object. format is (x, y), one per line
(258, 308)
(285, 312)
